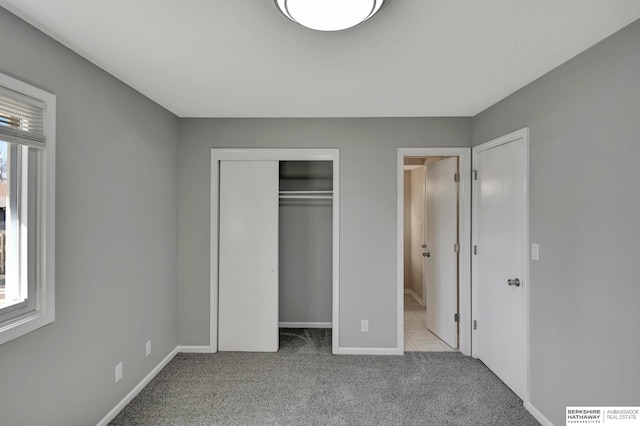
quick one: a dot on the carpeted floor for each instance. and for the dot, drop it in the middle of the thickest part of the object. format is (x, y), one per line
(303, 384)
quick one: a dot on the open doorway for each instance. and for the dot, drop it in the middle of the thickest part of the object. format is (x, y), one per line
(434, 245)
(431, 254)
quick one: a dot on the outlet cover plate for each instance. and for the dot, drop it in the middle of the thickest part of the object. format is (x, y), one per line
(118, 372)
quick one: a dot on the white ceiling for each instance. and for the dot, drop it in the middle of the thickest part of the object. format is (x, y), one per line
(232, 58)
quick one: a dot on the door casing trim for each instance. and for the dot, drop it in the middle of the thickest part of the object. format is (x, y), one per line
(266, 154)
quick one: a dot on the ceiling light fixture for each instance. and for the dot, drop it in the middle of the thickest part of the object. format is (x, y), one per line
(329, 15)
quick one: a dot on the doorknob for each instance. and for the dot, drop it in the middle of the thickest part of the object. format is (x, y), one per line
(426, 254)
(515, 282)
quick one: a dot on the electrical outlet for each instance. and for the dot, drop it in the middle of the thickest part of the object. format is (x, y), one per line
(148, 348)
(118, 372)
(364, 326)
(535, 251)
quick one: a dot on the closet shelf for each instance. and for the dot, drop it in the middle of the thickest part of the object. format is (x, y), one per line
(306, 195)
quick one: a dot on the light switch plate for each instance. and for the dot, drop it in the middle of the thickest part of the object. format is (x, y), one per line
(535, 251)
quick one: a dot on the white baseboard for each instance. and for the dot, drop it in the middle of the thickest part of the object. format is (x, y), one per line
(537, 414)
(136, 390)
(414, 295)
(368, 351)
(194, 349)
(305, 325)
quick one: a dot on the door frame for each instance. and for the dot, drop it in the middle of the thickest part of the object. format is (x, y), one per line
(464, 238)
(424, 236)
(266, 154)
(510, 137)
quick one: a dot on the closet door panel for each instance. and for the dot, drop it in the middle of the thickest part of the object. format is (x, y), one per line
(248, 256)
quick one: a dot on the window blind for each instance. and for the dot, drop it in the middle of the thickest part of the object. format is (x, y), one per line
(21, 119)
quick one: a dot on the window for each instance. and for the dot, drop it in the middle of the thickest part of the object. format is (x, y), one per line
(27, 184)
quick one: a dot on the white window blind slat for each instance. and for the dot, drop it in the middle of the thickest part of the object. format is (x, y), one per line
(22, 119)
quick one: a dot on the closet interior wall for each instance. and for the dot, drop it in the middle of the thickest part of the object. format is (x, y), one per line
(305, 243)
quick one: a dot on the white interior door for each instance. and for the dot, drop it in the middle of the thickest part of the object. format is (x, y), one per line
(441, 237)
(248, 256)
(501, 226)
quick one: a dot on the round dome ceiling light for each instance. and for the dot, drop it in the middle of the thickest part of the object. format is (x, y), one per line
(329, 15)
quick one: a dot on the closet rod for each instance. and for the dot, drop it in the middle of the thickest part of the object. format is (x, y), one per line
(306, 192)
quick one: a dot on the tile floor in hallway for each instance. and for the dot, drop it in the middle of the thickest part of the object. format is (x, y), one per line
(416, 335)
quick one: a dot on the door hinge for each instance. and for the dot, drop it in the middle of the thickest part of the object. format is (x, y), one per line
(475, 250)
(456, 248)
(475, 324)
(456, 317)
(456, 177)
(475, 175)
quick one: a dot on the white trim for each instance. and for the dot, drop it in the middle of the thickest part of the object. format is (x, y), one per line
(266, 154)
(275, 154)
(45, 217)
(194, 349)
(527, 255)
(369, 351)
(304, 325)
(537, 414)
(414, 295)
(213, 260)
(136, 390)
(335, 334)
(510, 137)
(464, 231)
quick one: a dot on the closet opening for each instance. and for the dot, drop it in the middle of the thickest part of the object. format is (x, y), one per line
(305, 244)
(274, 248)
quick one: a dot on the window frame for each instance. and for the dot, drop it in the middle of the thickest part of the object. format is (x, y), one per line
(40, 255)
(20, 242)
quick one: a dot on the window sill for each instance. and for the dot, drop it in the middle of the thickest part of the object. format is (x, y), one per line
(31, 321)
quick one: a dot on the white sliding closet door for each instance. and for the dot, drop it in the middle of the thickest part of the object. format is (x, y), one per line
(248, 256)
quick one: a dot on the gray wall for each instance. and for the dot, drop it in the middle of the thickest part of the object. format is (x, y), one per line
(116, 233)
(585, 205)
(305, 257)
(368, 197)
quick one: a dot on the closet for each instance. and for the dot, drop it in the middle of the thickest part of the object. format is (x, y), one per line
(274, 250)
(305, 243)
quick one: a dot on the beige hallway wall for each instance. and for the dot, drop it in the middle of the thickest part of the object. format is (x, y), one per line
(417, 230)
